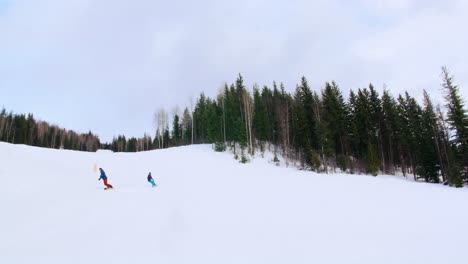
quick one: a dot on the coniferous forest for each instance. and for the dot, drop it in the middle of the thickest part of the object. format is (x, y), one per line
(366, 133)
(22, 129)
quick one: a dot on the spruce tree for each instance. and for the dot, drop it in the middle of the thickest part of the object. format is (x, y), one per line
(167, 138)
(240, 132)
(271, 98)
(200, 119)
(334, 119)
(308, 113)
(176, 131)
(324, 143)
(377, 118)
(413, 123)
(352, 128)
(229, 110)
(390, 132)
(213, 122)
(260, 119)
(458, 121)
(365, 135)
(301, 127)
(429, 165)
(285, 118)
(186, 126)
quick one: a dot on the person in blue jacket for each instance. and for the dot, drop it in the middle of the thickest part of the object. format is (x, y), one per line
(151, 180)
(104, 178)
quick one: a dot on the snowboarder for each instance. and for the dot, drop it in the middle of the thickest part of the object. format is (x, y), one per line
(151, 180)
(104, 177)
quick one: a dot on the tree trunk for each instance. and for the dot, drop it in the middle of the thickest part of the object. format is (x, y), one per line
(403, 162)
(439, 156)
(391, 161)
(382, 151)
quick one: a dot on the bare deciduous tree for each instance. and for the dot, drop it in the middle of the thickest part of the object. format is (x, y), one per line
(160, 120)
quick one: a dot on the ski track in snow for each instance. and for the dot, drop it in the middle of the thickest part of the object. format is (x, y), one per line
(209, 208)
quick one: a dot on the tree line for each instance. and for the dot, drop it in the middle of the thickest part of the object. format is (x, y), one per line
(367, 133)
(25, 129)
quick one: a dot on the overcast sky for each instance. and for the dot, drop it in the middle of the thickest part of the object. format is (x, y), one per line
(107, 65)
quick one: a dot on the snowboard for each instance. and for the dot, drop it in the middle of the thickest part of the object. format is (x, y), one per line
(108, 188)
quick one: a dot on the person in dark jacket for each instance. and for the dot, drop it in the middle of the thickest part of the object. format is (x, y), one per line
(104, 178)
(151, 180)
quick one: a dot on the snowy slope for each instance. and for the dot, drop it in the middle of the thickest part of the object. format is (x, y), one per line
(208, 208)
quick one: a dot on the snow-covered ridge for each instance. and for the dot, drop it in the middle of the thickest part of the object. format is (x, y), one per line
(209, 208)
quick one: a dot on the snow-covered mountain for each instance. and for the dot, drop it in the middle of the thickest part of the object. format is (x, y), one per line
(209, 208)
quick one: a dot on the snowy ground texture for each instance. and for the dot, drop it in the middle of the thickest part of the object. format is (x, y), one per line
(208, 208)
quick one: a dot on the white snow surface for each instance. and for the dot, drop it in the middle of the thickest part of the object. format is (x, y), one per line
(209, 208)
